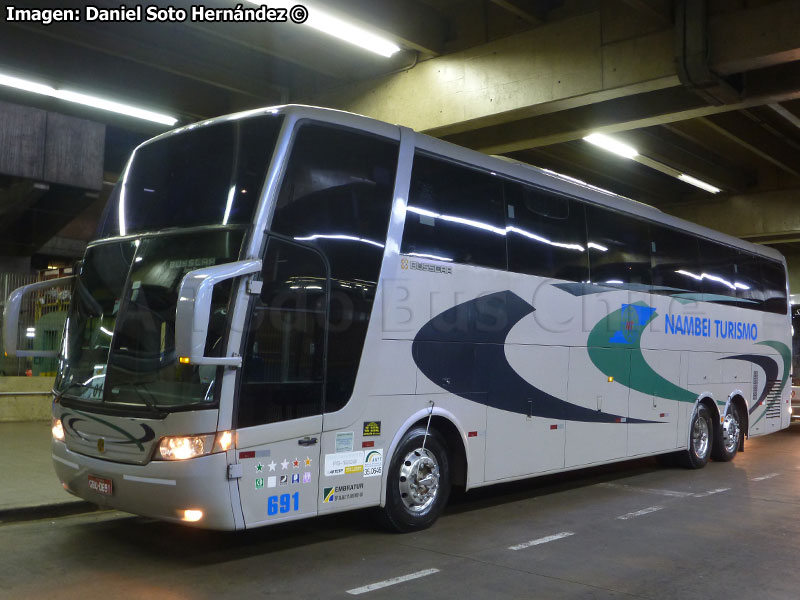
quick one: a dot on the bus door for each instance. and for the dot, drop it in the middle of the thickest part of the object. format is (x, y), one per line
(281, 390)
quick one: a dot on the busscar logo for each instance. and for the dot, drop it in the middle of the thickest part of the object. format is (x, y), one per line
(429, 268)
(416, 265)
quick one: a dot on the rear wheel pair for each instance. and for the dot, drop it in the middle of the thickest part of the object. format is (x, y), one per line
(703, 443)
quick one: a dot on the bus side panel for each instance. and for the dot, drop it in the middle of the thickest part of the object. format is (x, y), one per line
(591, 442)
(280, 470)
(661, 430)
(521, 444)
(778, 329)
(353, 457)
(768, 401)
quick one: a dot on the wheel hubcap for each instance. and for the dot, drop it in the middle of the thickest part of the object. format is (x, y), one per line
(730, 433)
(419, 480)
(700, 437)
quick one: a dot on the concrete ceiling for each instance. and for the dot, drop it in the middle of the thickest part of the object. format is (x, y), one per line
(710, 89)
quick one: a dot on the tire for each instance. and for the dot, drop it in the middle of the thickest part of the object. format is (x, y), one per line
(726, 443)
(410, 504)
(701, 439)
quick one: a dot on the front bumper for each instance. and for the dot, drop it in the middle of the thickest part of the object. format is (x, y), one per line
(161, 490)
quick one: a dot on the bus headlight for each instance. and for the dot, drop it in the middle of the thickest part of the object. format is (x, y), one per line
(58, 430)
(192, 446)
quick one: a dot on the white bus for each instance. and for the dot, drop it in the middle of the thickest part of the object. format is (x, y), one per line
(296, 311)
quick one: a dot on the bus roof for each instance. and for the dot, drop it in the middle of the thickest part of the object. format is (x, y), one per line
(509, 167)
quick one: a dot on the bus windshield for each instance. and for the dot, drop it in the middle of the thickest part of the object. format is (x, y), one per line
(211, 175)
(119, 341)
(119, 346)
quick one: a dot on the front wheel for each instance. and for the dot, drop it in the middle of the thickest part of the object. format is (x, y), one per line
(727, 445)
(418, 482)
(701, 438)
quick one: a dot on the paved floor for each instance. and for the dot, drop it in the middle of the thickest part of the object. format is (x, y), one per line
(634, 530)
(27, 478)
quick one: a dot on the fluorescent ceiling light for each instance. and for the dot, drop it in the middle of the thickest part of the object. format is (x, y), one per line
(86, 100)
(338, 28)
(611, 145)
(697, 183)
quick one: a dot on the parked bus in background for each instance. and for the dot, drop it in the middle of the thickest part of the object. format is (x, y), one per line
(795, 308)
(296, 311)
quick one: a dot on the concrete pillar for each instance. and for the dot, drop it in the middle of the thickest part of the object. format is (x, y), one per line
(50, 147)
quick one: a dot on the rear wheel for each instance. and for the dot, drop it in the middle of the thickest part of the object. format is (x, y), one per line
(701, 438)
(418, 482)
(727, 444)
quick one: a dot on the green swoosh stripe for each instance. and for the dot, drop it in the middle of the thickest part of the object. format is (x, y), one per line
(636, 374)
(786, 355)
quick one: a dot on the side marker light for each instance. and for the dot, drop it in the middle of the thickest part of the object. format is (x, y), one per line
(192, 516)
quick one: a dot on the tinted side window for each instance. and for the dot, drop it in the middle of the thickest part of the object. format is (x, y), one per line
(455, 214)
(546, 234)
(282, 375)
(675, 262)
(619, 247)
(733, 273)
(337, 196)
(718, 263)
(750, 288)
(774, 281)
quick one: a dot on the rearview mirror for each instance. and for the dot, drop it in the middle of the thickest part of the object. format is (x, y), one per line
(194, 307)
(12, 327)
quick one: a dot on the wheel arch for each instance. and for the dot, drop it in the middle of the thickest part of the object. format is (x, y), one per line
(453, 433)
(707, 400)
(737, 398)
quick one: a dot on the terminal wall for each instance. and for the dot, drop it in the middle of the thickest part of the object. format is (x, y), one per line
(25, 398)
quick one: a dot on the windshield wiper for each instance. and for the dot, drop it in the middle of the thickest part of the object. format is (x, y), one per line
(148, 398)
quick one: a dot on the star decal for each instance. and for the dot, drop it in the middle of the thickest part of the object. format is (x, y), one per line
(285, 464)
(271, 465)
(308, 461)
(296, 464)
(259, 467)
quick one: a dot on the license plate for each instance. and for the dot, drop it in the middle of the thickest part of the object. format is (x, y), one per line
(100, 485)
